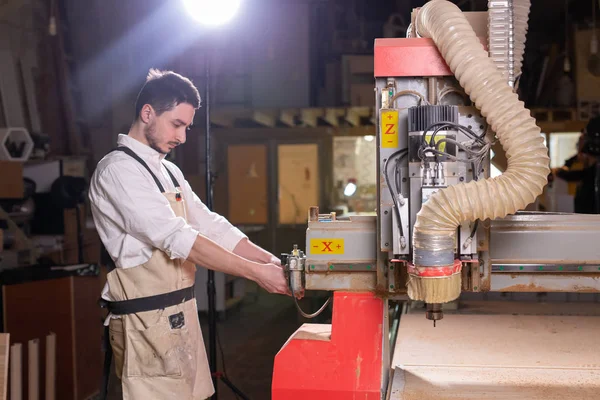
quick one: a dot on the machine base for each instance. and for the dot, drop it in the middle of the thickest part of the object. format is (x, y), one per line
(338, 361)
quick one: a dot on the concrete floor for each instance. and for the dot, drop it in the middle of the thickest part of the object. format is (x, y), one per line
(251, 335)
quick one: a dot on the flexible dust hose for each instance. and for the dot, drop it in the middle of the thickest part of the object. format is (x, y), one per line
(521, 18)
(527, 156)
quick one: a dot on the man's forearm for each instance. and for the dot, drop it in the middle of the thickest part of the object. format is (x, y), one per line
(248, 250)
(209, 254)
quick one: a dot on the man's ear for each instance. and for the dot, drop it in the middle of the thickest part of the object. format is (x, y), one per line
(147, 113)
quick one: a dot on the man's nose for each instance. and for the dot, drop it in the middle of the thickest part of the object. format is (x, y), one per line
(181, 136)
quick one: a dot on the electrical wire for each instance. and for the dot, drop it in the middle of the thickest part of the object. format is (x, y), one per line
(447, 124)
(450, 89)
(422, 99)
(402, 153)
(476, 224)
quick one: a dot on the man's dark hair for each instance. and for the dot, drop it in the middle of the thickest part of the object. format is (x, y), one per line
(164, 90)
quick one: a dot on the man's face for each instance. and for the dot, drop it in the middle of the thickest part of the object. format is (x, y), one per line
(166, 131)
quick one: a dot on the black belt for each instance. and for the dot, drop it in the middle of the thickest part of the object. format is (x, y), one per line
(149, 303)
(134, 306)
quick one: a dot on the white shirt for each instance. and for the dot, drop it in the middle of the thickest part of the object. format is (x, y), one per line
(132, 217)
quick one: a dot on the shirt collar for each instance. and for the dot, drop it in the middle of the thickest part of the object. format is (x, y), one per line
(142, 150)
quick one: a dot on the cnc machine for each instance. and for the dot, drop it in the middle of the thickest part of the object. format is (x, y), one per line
(445, 95)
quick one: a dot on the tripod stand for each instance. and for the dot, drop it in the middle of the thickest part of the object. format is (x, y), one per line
(211, 290)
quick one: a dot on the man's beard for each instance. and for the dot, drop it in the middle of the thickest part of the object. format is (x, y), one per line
(150, 134)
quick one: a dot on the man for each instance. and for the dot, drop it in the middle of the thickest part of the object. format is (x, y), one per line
(587, 194)
(156, 229)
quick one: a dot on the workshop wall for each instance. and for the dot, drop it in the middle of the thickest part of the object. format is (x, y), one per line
(261, 60)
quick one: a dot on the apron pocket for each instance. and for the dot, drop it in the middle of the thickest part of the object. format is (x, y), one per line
(153, 352)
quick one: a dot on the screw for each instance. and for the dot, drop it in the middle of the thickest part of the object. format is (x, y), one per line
(413, 174)
(480, 126)
(462, 178)
(387, 244)
(470, 116)
(470, 126)
(454, 174)
(391, 286)
(391, 267)
(403, 179)
(385, 212)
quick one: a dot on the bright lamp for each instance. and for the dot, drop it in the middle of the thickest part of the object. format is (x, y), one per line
(212, 12)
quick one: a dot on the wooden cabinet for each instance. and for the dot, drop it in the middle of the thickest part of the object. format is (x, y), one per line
(68, 307)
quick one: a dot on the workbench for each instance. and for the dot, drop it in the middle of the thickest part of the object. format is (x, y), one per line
(499, 350)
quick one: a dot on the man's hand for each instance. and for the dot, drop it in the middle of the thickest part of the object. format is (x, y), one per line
(274, 260)
(272, 278)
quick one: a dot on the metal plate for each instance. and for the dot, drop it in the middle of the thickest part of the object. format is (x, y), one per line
(545, 268)
(545, 238)
(334, 266)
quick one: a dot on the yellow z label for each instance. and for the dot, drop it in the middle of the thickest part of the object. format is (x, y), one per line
(389, 129)
(326, 246)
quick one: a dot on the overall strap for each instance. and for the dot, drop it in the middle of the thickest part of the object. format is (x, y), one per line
(131, 153)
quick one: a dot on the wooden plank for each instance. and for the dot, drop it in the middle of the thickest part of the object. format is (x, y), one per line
(561, 126)
(16, 371)
(28, 66)
(4, 359)
(288, 116)
(63, 74)
(266, 117)
(354, 114)
(48, 306)
(332, 115)
(33, 369)
(310, 116)
(9, 90)
(86, 333)
(248, 184)
(50, 382)
(497, 357)
(298, 177)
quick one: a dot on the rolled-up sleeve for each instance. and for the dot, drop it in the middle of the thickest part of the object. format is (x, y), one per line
(210, 224)
(138, 207)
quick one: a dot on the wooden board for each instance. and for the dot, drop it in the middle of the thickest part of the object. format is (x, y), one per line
(248, 184)
(497, 357)
(298, 181)
(68, 307)
(4, 360)
(11, 180)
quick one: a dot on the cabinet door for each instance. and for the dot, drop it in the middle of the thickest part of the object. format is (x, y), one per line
(248, 183)
(298, 181)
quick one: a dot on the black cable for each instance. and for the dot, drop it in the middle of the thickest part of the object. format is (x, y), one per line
(402, 152)
(223, 357)
(476, 224)
(448, 124)
(397, 175)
